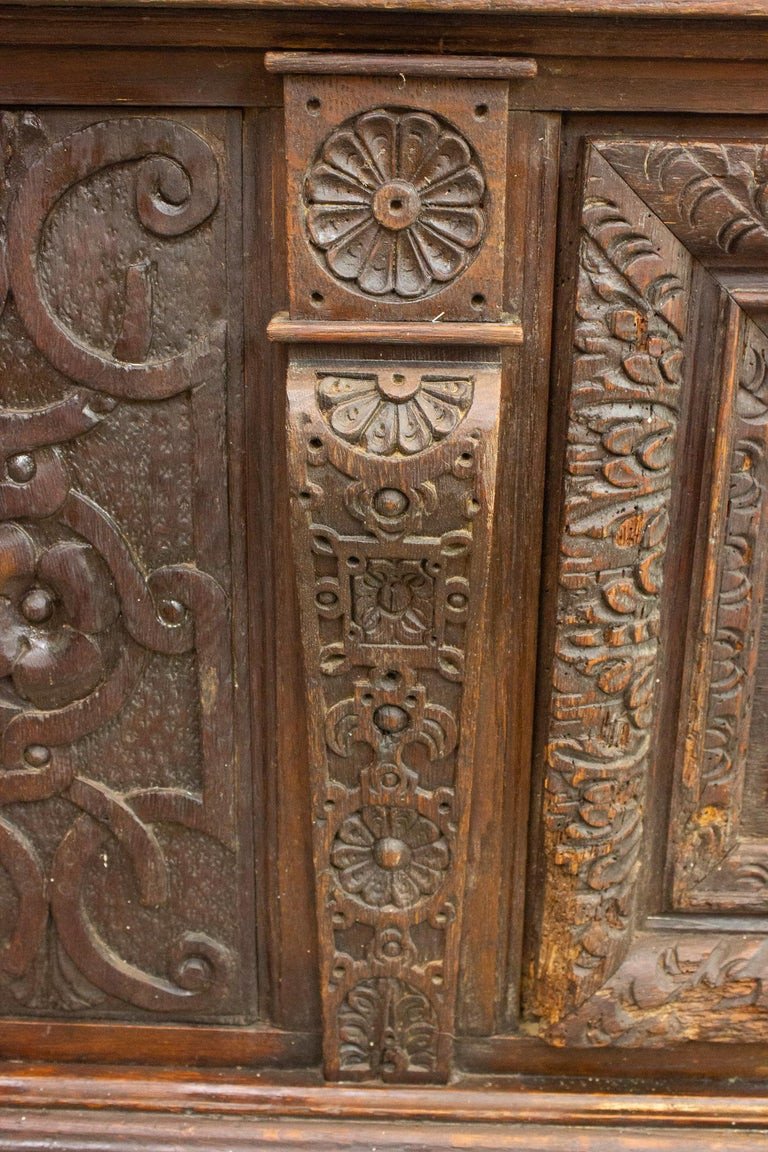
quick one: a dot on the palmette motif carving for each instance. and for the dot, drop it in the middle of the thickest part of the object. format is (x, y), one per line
(387, 1029)
(625, 393)
(84, 619)
(391, 548)
(395, 203)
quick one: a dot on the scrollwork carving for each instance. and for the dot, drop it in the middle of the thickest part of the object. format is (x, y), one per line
(177, 189)
(82, 616)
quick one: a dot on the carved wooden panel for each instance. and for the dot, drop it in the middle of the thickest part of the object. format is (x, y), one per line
(125, 885)
(629, 340)
(713, 194)
(613, 963)
(393, 469)
(396, 189)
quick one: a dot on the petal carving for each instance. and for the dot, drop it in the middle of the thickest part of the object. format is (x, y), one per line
(395, 203)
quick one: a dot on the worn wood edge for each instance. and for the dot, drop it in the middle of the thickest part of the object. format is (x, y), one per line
(385, 64)
(284, 330)
(472, 1100)
(38, 1131)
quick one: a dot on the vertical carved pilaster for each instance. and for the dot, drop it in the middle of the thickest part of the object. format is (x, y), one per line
(393, 468)
(396, 217)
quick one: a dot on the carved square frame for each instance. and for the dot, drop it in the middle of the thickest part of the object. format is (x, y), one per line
(604, 971)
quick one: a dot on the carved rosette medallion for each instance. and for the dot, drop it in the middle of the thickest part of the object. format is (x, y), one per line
(393, 469)
(395, 204)
(396, 197)
(102, 606)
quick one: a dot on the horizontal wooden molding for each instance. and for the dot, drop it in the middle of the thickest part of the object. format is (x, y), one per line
(303, 1096)
(149, 1044)
(375, 64)
(78, 1131)
(286, 331)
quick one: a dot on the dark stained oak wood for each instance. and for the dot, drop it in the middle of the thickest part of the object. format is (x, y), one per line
(460, 67)
(174, 78)
(550, 892)
(331, 28)
(79, 1132)
(686, 8)
(451, 333)
(483, 1100)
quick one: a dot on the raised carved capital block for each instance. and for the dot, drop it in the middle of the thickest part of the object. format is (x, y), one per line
(393, 467)
(396, 192)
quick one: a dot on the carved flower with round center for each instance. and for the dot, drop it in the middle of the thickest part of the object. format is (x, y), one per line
(389, 856)
(56, 604)
(395, 202)
(394, 412)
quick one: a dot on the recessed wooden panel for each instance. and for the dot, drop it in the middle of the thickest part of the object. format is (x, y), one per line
(715, 866)
(126, 887)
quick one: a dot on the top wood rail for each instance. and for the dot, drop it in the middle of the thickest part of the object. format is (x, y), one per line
(375, 64)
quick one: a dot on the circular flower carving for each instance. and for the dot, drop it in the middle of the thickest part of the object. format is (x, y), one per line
(394, 412)
(389, 856)
(394, 601)
(396, 203)
(56, 605)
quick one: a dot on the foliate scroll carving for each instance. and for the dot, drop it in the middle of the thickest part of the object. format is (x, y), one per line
(712, 869)
(176, 189)
(115, 669)
(713, 194)
(678, 986)
(391, 539)
(396, 197)
(631, 302)
(396, 203)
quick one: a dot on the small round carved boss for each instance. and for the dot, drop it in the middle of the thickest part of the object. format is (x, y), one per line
(396, 204)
